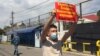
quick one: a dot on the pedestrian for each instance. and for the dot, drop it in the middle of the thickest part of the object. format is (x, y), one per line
(15, 42)
(51, 43)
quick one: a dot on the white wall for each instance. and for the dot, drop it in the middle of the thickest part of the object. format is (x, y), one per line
(3, 38)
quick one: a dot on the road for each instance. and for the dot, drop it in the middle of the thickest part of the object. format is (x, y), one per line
(7, 50)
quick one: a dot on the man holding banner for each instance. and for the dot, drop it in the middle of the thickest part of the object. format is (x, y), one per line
(51, 44)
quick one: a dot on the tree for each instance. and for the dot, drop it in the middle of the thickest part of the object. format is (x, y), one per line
(7, 28)
(2, 31)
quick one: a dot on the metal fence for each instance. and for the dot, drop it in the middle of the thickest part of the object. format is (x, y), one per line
(32, 22)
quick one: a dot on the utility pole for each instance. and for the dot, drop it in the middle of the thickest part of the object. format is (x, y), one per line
(12, 21)
(80, 5)
(39, 21)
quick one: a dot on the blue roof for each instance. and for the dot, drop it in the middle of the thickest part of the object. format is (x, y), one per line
(25, 30)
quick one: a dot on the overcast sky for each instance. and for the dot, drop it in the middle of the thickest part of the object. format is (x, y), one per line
(22, 13)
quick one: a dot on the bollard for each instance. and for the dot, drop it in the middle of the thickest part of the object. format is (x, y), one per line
(98, 53)
(98, 45)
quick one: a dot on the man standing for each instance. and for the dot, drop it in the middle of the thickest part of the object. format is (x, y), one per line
(51, 44)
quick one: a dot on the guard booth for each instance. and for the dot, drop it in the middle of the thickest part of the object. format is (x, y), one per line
(85, 36)
(29, 36)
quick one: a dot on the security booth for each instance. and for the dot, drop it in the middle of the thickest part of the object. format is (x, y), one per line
(86, 36)
(28, 35)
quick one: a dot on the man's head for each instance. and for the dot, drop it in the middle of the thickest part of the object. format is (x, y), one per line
(52, 32)
(98, 14)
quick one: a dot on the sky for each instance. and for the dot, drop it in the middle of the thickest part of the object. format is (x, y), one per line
(22, 9)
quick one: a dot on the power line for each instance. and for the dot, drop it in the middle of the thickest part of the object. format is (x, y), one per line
(25, 14)
(31, 7)
(35, 9)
